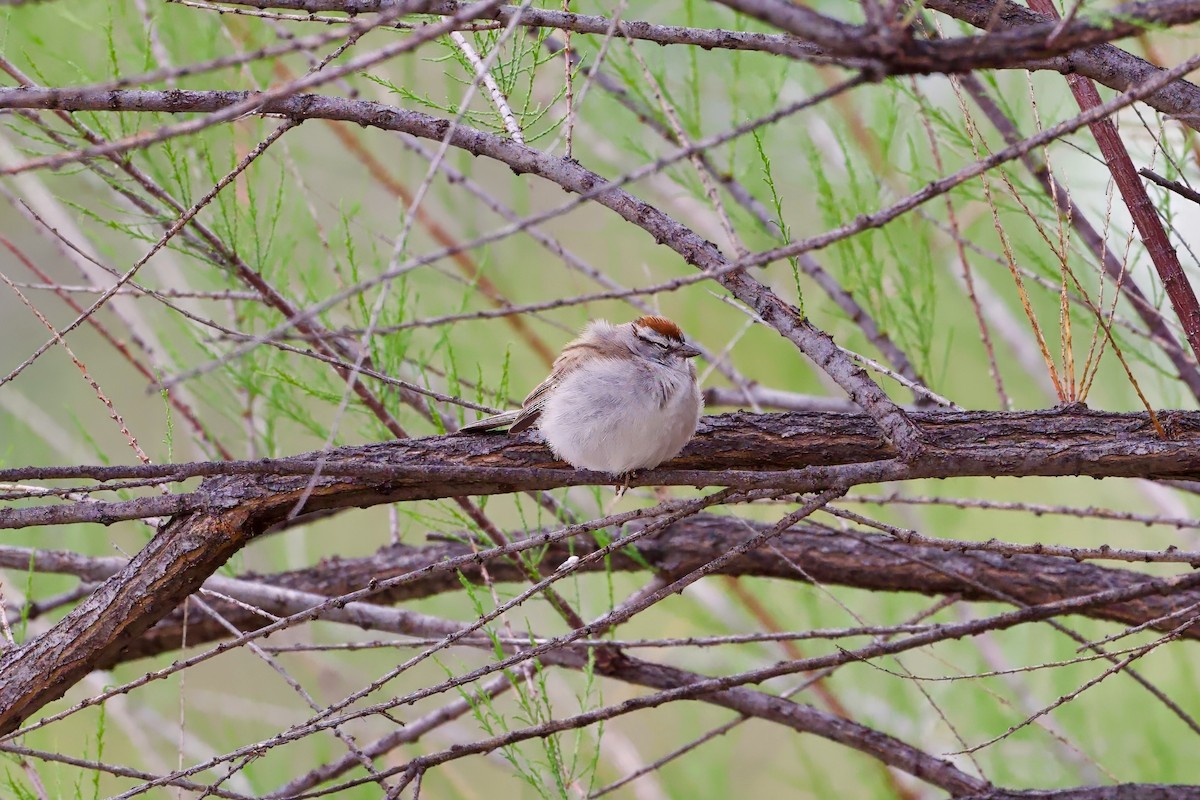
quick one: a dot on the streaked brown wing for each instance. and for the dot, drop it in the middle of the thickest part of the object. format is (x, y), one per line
(531, 409)
(570, 360)
(527, 418)
(491, 423)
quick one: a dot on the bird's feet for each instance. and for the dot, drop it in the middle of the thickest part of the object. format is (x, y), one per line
(625, 478)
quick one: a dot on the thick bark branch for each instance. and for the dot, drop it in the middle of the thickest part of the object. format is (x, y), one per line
(774, 449)
(1103, 63)
(798, 452)
(1022, 39)
(1122, 791)
(1080, 48)
(859, 560)
(182, 555)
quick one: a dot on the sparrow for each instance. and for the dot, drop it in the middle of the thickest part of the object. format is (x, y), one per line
(619, 398)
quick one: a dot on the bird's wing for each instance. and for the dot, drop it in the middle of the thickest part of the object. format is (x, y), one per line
(532, 408)
(522, 418)
(573, 357)
(492, 422)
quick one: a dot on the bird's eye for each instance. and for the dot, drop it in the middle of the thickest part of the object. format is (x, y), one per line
(660, 344)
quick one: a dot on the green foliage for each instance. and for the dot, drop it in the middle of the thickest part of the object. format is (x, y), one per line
(101, 721)
(313, 216)
(15, 785)
(784, 230)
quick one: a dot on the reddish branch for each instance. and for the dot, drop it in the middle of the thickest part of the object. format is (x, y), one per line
(1144, 215)
(1156, 325)
(1104, 63)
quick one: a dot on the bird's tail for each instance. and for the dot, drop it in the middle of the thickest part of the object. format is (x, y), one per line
(492, 423)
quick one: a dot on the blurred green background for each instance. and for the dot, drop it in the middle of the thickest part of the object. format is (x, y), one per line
(313, 216)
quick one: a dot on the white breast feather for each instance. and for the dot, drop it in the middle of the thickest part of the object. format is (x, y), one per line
(607, 417)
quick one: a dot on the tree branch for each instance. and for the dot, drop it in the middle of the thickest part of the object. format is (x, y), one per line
(739, 448)
(1121, 791)
(855, 559)
(1021, 42)
(1103, 63)
(1144, 214)
(1024, 40)
(792, 451)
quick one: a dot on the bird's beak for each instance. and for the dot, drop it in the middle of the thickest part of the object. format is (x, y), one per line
(687, 351)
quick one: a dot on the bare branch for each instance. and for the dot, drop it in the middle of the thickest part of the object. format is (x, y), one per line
(860, 560)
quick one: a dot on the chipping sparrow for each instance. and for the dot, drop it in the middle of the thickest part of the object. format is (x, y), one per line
(620, 398)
